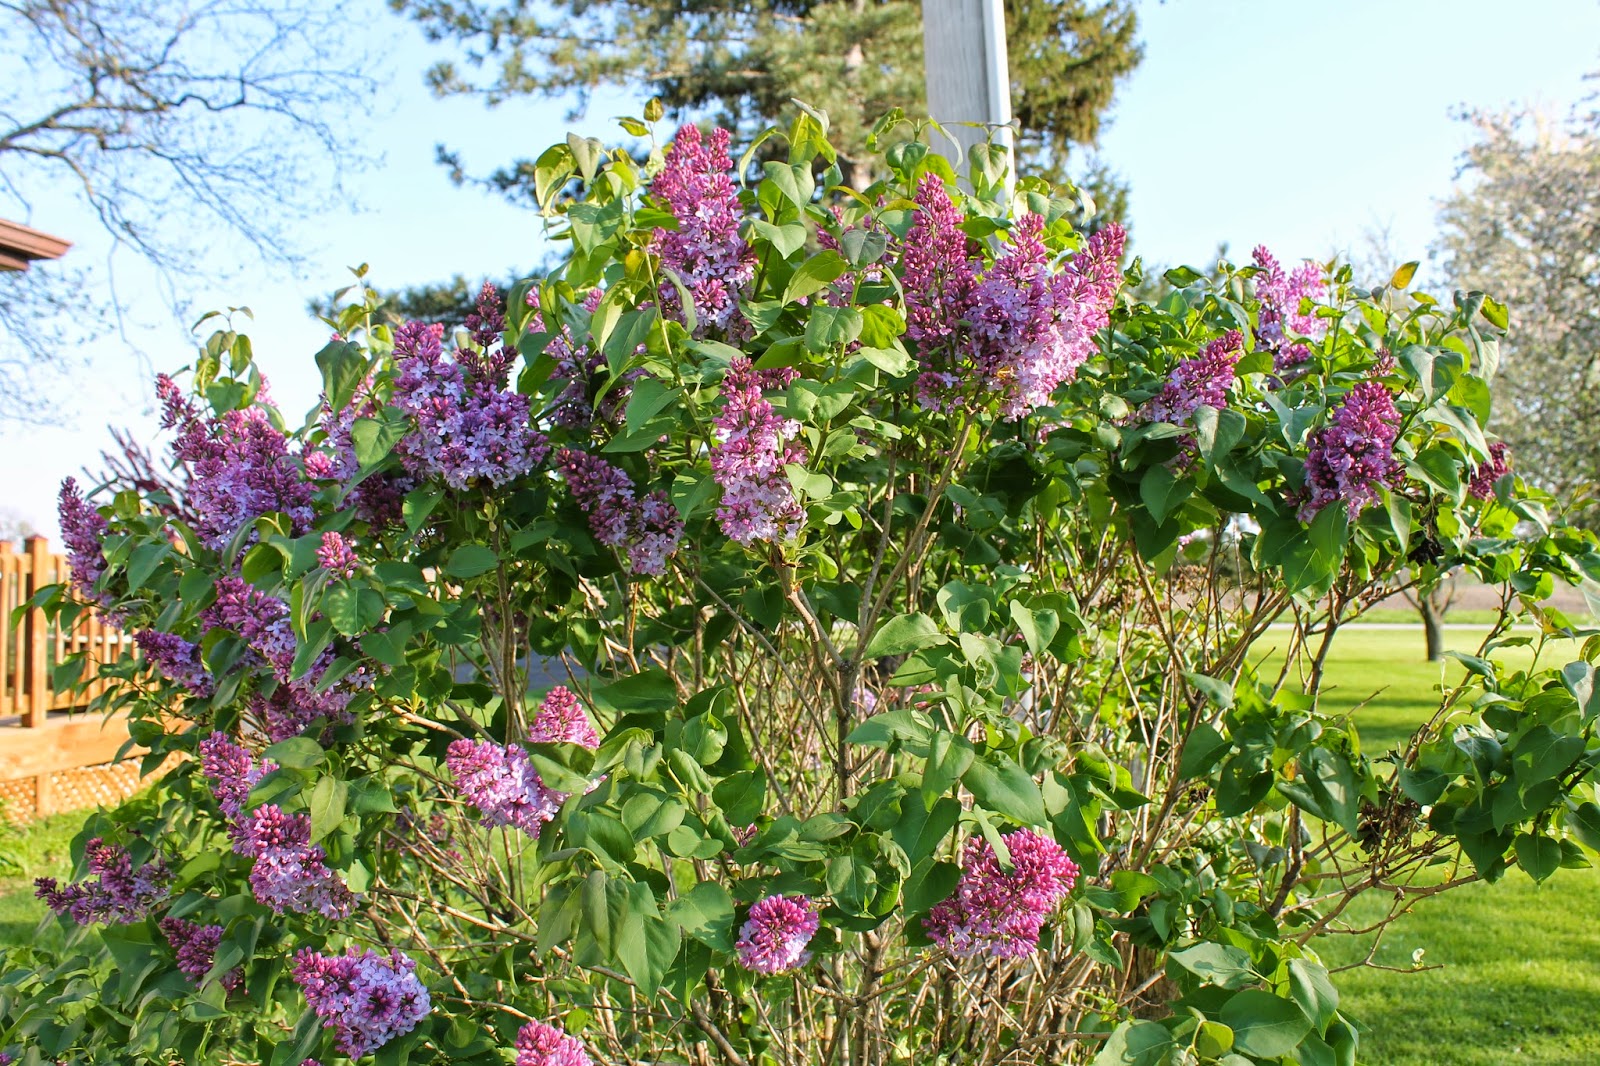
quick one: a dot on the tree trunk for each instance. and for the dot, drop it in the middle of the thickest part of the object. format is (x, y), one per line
(1431, 608)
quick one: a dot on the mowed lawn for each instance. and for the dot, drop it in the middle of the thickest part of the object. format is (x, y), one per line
(1520, 976)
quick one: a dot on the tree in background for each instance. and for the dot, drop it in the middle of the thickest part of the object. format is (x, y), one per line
(169, 121)
(743, 64)
(1524, 223)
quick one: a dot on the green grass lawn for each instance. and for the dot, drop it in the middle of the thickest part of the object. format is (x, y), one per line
(1520, 976)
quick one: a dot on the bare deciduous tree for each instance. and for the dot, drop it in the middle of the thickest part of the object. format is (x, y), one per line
(171, 122)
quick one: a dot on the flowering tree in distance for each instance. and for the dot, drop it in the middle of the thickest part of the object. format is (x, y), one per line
(807, 627)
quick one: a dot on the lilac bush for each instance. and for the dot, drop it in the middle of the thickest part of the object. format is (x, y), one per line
(806, 626)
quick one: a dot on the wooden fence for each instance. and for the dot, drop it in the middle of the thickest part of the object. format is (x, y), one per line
(53, 755)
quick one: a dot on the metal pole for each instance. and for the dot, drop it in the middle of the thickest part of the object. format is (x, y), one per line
(966, 74)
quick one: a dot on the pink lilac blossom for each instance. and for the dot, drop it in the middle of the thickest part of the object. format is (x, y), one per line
(774, 936)
(1490, 471)
(1280, 320)
(562, 720)
(240, 467)
(466, 429)
(233, 772)
(367, 999)
(1200, 381)
(337, 557)
(939, 276)
(1001, 914)
(82, 529)
(705, 251)
(1035, 328)
(499, 780)
(115, 893)
(1353, 455)
(290, 872)
(196, 948)
(488, 359)
(291, 709)
(539, 1044)
(645, 530)
(753, 445)
(178, 660)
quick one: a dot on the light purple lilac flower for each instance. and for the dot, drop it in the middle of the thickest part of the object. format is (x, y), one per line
(261, 620)
(1280, 321)
(487, 359)
(1353, 455)
(644, 530)
(367, 999)
(1200, 381)
(240, 467)
(1481, 486)
(775, 934)
(233, 772)
(539, 1044)
(1001, 914)
(337, 557)
(466, 429)
(177, 659)
(576, 368)
(753, 445)
(115, 893)
(705, 251)
(1034, 328)
(379, 497)
(196, 949)
(291, 709)
(562, 720)
(83, 528)
(290, 872)
(499, 780)
(939, 275)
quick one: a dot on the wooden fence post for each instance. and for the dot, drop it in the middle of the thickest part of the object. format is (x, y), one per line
(967, 76)
(36, 634)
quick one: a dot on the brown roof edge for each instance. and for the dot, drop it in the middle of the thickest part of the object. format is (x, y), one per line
(21, 244)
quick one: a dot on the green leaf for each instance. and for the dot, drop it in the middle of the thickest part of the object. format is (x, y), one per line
(1326, 787)
(1313, 991)
(1007, 789)
(1403, 275)
(881, 730)
(949, 757)
(881, 326)
(1136, 1043)
(788, 238)
(296, 753)
(1162, 492)
(470, 560)
(1038, 627)
(1538, 855)
(1264, 1025)
(328, 800)
(343, 369)
(705, 913)
(1584, 821)
(832, 327)
(374, 439)
(1202, 751)
(815, 274)
(901, 634)
(1219, 964)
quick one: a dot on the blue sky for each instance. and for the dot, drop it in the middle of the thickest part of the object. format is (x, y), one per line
(1295, 124)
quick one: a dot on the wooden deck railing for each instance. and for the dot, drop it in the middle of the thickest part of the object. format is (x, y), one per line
(43, 740)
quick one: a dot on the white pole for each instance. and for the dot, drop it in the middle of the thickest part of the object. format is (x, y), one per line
(966, 74)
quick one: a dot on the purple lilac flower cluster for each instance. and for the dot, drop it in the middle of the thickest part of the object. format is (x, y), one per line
(116, 893)
(466, 428)
(1201, 381)
(240, 467)
(753, 445)
(336, 556)
(539, 1044)
(367, 999)
(1030, 327)
(1497, 466)
(291, 709)
(1353, 455)
(775, 934)
(940, 275)
(233, 772)
(499, 779)
(196, 948)
(705, 251)
(177, 659)
(82, 529)
(1001, 914)
(488, 359)
(646, 530)
(290, 872)
(1280, 319)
